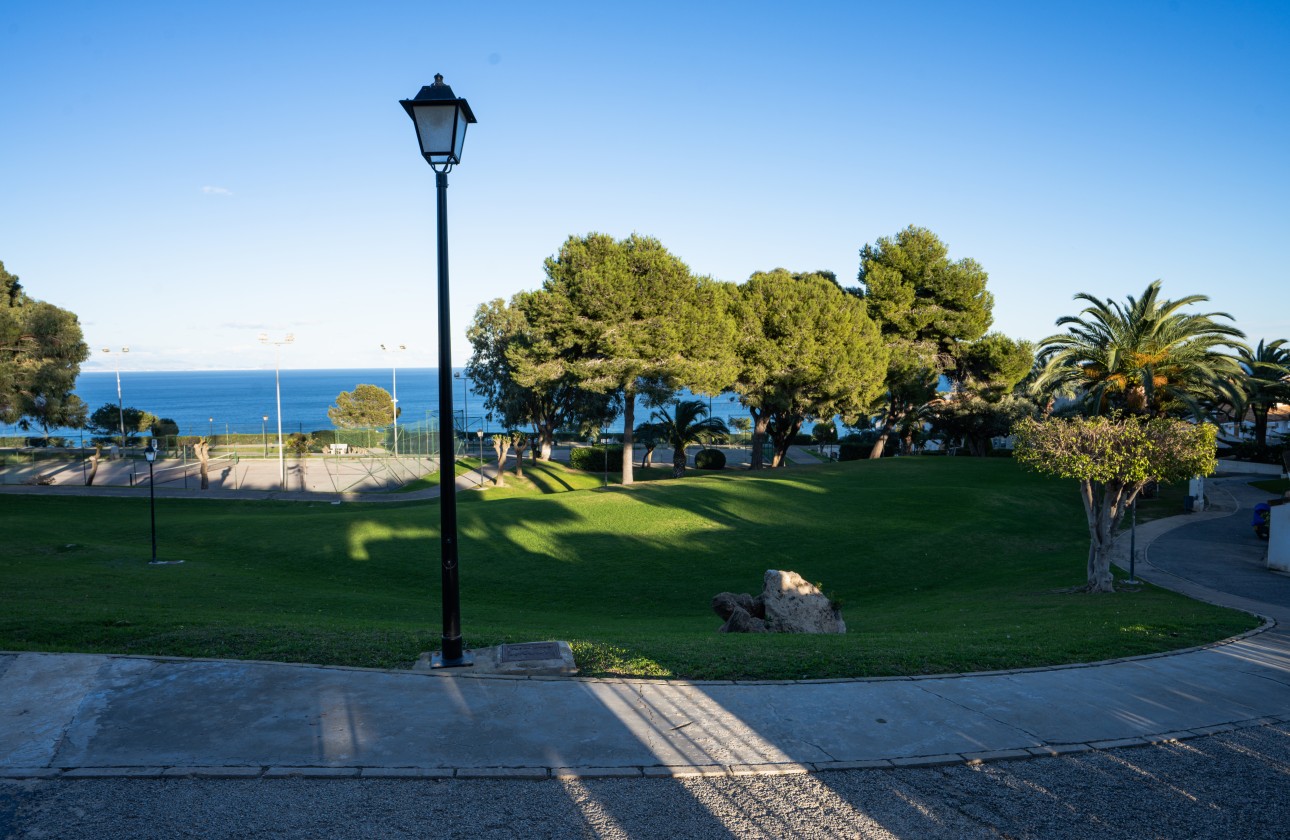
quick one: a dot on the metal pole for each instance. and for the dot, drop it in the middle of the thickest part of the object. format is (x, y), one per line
(120, 406)
(152, 509)
(277, 384)
(264, 433)
(452, 653)
(394, 408)
(1133, 543)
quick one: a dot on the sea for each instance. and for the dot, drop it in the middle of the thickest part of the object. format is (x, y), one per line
(214, 402)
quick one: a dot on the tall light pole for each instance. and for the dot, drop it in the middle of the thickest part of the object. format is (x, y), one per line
(120, 406)
(464, 419)
(277, 384)
(441, 119)
(394, 394)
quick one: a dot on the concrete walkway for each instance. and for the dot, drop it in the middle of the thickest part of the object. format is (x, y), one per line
(110, 716)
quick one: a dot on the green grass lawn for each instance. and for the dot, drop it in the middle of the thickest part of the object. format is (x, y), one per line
(1273, 485)
(941, 565)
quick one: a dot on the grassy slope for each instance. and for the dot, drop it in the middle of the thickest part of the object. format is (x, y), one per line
(941, 565)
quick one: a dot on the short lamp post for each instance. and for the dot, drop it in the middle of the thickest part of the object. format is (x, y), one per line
(604, 457)
(151, 454)
(441, 120)
(480, 434)
(1133, 545)
(264, 433)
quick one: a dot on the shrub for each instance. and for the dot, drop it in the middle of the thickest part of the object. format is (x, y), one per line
(592, 458)
(1259, 453)
(710, 459)
(801, 439)
(165, 427)
(851, 450)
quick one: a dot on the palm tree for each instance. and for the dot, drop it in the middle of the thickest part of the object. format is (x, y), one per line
(688, 424)
(1265, 378)
(1143, 357)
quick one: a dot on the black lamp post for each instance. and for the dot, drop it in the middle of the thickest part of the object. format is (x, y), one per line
(151, 454)
(604, 456)
(441, 119)
(1133, 545)
(479, 433)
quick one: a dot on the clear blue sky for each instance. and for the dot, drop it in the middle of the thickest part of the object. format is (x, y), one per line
(187, 175)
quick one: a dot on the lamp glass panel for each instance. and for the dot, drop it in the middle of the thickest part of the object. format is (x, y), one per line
(436, 127)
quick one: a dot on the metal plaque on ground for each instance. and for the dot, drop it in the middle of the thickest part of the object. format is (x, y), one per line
(530, 651)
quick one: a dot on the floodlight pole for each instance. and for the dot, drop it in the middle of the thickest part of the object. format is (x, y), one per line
(394, 394)
(277, 385)
(120, 406)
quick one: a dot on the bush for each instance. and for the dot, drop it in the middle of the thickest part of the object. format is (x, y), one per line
(852, 450)
(165, 427)
(710, 459)
(1259, 453)
(802, 439)
(592, 458)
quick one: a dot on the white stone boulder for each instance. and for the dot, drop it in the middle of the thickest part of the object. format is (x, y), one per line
(793, 605)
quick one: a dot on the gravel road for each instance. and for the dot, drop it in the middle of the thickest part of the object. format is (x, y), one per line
(1231, 785)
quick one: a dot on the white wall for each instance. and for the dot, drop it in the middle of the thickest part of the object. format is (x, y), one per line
(1279, 539)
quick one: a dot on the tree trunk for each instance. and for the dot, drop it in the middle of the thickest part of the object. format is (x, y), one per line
(501, 448)
(629, 420)
(783, 439)
(647, 460)
(881, 443)
(1261, 424)
(545, 441)
(678, 462)
(519, 458)
(761, 421)
(94, 464)
(201, 449)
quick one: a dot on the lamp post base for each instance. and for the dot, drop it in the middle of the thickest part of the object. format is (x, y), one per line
(466, 660)
(164, 562)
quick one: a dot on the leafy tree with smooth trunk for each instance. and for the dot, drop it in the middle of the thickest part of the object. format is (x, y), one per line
(1145, 356)
(106, 421)
(925, 305)
(1113, 458)
(806, 349)
(982, 404)
(41, 350)
(687, 424)
(515, 365)
(365, 407)
(627, 315)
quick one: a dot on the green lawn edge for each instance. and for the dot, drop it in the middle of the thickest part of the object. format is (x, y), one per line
(941, 565)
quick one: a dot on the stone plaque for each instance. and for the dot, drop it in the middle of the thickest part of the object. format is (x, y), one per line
(530, 651)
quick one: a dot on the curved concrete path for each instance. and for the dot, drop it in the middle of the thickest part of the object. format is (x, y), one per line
(104, 716)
